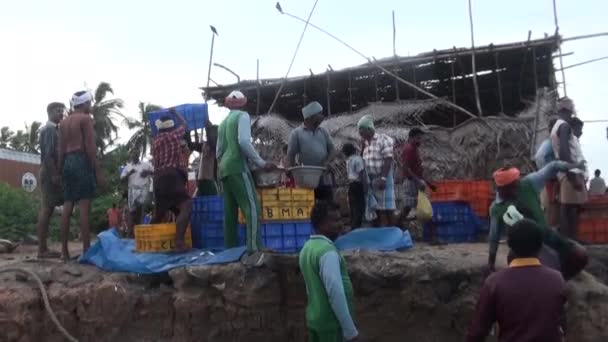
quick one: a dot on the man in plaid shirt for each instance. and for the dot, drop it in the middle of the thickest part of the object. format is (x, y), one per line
(378, 158)
(170, 176)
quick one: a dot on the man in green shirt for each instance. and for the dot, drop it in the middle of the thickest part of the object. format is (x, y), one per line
(328, 286)
(235, 154)
(523, 194)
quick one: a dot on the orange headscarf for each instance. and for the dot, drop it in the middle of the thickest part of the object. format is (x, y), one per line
(505, 176)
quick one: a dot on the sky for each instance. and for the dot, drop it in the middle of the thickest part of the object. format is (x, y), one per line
(158, 51)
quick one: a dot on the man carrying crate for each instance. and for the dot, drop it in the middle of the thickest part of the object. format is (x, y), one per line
(235, 154)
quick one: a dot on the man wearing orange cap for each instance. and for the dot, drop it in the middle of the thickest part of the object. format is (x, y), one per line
(523, 193)
(235, 155)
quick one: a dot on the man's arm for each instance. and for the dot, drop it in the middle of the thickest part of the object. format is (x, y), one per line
(179, 118)
(564, 132)
(193, 145)
(484, 316)
(494, 239)
(542, 176)
(331, 148)
(292, 149)
(332, 280)
(48, 148)
(61, 149)
(244, 138)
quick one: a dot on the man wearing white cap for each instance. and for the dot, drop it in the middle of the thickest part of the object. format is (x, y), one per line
(81, 172)
(313, 146)
(234, 154)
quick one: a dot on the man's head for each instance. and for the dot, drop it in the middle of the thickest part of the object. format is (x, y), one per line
(313, 115)
(349, 149)
(235, 100)
(507, 180)
(565, 108)
(113, 205)
(55, 111)
(598, 173)
(82, 101)
(366, 127)
(525, 239)
(134, 156)
(164, 124)
(325, 218)
(415, 136)
(577, 126)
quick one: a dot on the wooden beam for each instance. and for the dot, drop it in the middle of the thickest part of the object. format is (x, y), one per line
(534, 70)
(350, 93)
(328, 93)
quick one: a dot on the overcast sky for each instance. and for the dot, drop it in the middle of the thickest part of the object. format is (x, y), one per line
(158, 51)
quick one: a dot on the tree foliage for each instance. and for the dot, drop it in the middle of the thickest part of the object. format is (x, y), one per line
(104, 112)
(140, 140)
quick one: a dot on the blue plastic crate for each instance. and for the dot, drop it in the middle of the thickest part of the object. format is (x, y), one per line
(195, 114)
(455, 222)
(207, 209)
(210, 236)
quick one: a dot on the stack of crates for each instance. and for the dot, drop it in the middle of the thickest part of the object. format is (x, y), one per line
(593, 224)
(284, 204)
(478, 193)
(207, 223)
(455, 222)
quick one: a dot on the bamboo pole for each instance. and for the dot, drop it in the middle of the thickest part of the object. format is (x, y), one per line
(276, 97)
(328, 93)
(257, 87)
(415, 82)
(559, 44)
(394, 36)
(586, 36)
(475, 84)
(213, 33)
(586, 62)
(376, 99)
(350, 93)
(500, 100)
(534, 70)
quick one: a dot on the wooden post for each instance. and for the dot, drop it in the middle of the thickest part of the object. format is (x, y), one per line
(328, 93)
(257, 87)
(394, 36)
(559, 44)
(453, 90)
(415, 81)
(497, 71)
(534, 70)
(475, 85)
(350, 93)
(376, 99)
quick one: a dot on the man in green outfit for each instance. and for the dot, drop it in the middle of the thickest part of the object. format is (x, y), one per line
(328, 286)
(523, 194)
(234, 154)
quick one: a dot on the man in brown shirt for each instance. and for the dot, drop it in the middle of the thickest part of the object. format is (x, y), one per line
(526, 299)
(80, 168)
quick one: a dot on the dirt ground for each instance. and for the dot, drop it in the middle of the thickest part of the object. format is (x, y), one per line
(423, 294)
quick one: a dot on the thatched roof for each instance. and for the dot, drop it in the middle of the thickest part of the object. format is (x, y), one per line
(471, 150)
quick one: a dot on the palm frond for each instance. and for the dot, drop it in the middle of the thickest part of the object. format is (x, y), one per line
(102, 90)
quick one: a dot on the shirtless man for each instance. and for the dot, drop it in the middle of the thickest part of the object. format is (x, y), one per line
(81, 171)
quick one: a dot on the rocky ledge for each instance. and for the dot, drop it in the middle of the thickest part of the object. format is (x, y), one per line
(423, 294)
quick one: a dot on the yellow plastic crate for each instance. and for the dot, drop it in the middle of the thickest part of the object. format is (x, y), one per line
(301, 213)
(158, 238)
(283, 204)
(284, 194)
(269, 194)
(307, 195)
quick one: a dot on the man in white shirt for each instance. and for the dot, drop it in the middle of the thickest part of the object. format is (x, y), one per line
(597, 186)
(137, 175)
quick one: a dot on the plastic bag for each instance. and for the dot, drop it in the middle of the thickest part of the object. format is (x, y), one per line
(424, 210)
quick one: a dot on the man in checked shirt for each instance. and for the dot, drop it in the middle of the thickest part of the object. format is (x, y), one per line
(170, 177)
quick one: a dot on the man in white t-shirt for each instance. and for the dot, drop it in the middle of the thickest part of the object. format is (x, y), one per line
(597, 186)
(137, 175)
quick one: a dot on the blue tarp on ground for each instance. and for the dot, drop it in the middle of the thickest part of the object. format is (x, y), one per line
(113, 254)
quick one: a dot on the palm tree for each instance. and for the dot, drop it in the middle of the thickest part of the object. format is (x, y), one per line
(19, 141)
(6, 135)
(103, 112)
(140, 140)
(33, 130)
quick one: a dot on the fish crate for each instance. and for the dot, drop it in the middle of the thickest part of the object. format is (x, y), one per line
(284, 204)
(476, 192)
(593, 230)
(158, 238)
(286, 237)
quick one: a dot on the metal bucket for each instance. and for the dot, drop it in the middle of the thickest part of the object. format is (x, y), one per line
(307, 176)
(267, 179)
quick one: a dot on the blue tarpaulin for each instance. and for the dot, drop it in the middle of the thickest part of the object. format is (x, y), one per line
(113, 254)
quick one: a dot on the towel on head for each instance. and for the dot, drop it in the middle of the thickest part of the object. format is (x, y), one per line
(311, 109)
(235, 100)
(78, 100)
(504, 177)
(367, 121)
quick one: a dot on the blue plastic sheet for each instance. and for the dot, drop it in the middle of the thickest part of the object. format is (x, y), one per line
(376, 239)
(113, 254)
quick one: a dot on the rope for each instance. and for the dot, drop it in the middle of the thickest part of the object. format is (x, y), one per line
(45, 299)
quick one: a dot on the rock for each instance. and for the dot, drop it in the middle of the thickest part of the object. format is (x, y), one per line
(423, 294)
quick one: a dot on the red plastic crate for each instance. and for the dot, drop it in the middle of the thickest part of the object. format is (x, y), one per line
(477, 192)
(593, 230)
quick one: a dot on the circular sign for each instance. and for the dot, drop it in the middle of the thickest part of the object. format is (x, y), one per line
(29, 182)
